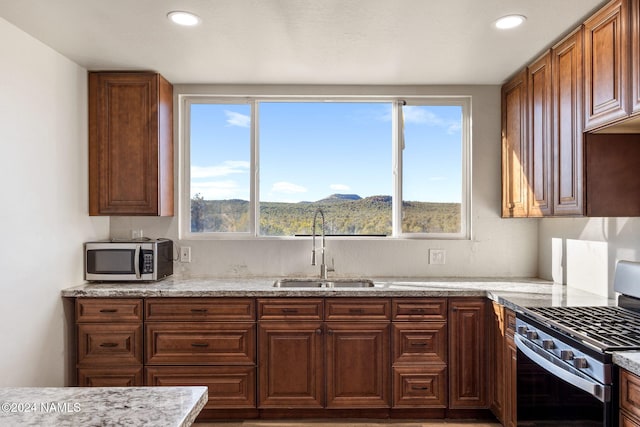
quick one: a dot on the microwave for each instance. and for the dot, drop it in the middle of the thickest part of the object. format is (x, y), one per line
(128, 260)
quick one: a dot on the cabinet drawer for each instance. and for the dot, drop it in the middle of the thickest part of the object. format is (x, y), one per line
(200, 343)
(110, 377)
(229, 386)
(630, 392)
(290, 308)
(358, 309)
(420, 342)
(208, 309)
(420, 387)
(420, 309)
(109, 344)
(96, 310)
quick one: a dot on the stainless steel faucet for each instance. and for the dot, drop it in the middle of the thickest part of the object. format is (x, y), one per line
(323, 267)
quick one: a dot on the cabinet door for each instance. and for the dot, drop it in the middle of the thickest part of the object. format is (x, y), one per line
(291, 364)
(468, 361)
(130, 144)
(635, 56)
(606, 65)
(539, 125)
(510, 418)
(497, 361)
(514, 147)
(566, 67)
(358, 368)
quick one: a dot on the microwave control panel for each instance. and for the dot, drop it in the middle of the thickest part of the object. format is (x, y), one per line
(147, 262)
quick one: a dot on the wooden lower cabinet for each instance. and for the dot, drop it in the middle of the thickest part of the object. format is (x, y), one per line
(357, 358)
(291, 368)
(503, 365)
(291, 357)
(510, 371)
(468, 354)
(629, 399)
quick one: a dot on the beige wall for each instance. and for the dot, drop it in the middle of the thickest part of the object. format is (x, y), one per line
(498, 247)
(43, 220)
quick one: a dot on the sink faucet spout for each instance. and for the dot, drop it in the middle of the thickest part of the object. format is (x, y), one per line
(323, 266)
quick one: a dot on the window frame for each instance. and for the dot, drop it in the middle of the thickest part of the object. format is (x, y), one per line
(184, 194)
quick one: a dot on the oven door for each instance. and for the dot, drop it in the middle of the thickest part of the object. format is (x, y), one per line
(551, 393)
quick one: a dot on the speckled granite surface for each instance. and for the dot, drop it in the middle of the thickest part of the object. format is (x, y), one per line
(629, 360)
(101, 406)
(511, 292)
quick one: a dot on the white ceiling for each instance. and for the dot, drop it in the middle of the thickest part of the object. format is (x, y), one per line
(395, 42)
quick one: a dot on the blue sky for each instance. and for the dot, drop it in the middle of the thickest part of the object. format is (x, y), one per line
(309, 151)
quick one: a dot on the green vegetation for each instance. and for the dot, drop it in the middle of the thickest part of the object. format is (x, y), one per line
(344, 214)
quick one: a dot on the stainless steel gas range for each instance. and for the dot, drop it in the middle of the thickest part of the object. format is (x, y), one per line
(565, 371)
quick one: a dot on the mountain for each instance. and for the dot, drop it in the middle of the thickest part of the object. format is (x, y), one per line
(339, 198)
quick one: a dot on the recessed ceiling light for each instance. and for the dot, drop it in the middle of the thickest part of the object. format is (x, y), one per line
(183, 18)
(510, 21)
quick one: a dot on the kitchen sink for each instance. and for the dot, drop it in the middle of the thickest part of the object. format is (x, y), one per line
(323, 283)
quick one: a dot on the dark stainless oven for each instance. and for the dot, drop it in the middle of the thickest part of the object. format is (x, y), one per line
(565, 373)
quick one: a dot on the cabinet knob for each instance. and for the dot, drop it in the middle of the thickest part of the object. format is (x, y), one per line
(329, 332)
(319, 331)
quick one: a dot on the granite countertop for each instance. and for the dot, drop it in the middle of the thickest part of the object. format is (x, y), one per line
(513, 293)
(101, 406)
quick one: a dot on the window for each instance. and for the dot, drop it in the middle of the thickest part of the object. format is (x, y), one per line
(385, 168)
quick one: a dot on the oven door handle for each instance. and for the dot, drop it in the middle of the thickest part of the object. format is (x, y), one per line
(548, 362)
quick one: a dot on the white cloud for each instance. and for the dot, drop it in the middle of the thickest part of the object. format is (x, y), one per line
(420, 115)
(339, 187)
(226, 168)
(287, 188)
(237, 119)
(219, 190)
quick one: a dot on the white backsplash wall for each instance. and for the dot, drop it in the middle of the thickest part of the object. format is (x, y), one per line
(499, 247)
(44, 217)
(618, 238)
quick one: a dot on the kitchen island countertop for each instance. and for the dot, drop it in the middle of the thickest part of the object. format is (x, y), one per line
(101, 406)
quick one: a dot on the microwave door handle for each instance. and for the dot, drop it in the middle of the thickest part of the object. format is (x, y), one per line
(538, 355)
(136, 263)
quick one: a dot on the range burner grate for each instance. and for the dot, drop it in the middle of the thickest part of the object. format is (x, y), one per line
(609, 327)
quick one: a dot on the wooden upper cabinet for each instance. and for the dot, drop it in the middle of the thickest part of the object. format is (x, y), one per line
(635, 56)
(514, 147)
(130, 144)
(567, 126)
(539, 126)
(606, 54)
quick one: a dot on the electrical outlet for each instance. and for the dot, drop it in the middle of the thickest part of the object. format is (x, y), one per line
(437, 256)
(185, 254)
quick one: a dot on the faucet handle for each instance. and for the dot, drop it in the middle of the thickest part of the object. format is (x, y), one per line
(313, 257)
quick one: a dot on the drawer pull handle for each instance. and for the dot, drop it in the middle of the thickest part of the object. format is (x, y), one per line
(416, 387)
(356, 310)
(199, 344)
(109, 344)
(289, 310)
(418, 344)
(418, 310)
(109, 310)
(199, 310)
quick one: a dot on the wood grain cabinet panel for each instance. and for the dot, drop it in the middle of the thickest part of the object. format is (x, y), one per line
(424, 342)
(230, 387)
(109, 344)
(290, 309)
(419, 309)
(567, 127)
(110, 377)
(635, 56)
(420, 387)
(130, 144)
(540, 155)
(514, 147)
(468, 360)
(358, 369)
(358, 308)
(291, 364)
(606, 68)
(200, 309)
(630, 396)
(205, 343)
(107, 310)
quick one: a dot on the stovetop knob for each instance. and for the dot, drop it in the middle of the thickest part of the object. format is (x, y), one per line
(548, 344)
(566, 355)
(532, 335)
(580, 362)
(522, 330)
